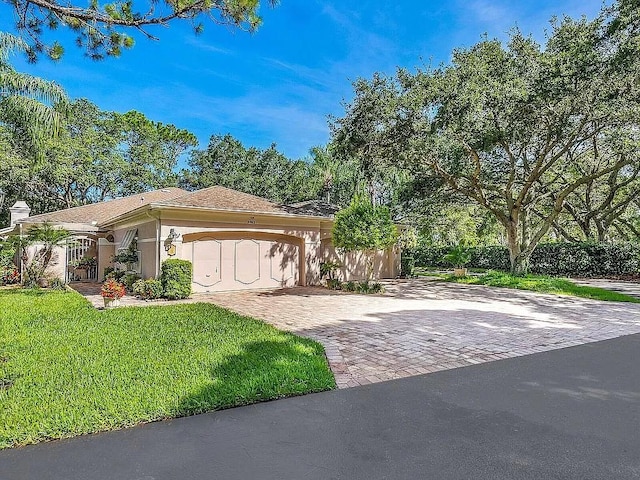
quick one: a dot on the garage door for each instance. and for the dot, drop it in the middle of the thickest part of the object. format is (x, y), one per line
(223, 264)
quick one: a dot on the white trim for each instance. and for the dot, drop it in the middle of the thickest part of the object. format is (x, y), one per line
(147, 240)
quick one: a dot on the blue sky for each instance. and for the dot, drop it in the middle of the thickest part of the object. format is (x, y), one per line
(280, 84)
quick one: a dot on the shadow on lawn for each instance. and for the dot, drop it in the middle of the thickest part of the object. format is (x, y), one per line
(264, 370)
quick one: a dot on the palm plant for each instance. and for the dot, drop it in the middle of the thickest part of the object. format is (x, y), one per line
(29, 104)
(45, 237)
(459, 256)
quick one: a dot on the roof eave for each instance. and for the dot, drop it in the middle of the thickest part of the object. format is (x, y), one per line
(166, 206)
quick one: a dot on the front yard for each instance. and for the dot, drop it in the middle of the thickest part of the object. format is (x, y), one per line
(534, 283)
(67, 369)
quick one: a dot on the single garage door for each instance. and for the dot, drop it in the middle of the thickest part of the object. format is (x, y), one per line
(242, 264)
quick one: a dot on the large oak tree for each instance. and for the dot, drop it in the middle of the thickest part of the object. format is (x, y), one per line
(505, 126)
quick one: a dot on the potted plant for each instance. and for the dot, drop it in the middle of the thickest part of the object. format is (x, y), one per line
(458, 257)
(112, 291)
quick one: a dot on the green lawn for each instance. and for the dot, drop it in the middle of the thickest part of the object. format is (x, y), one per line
(68, 369)
(541, 283)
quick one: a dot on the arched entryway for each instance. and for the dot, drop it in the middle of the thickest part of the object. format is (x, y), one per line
(82, 264)
(242, 260)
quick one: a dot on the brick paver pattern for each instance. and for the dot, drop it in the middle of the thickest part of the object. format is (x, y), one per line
(421, 326)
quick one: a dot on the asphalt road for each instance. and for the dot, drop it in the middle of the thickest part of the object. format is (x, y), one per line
(565, 414)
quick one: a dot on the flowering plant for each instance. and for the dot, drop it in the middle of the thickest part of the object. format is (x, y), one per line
(112, 289)
(9, 275)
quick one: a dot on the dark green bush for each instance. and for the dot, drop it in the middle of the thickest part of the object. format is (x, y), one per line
(176, 278)
(349, 286)
(407, 265)
(561, 259)
(149, 289)
(117, 275)
(128, 279)
(334, 284)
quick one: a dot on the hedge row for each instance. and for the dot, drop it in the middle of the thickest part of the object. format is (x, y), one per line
(566, 259)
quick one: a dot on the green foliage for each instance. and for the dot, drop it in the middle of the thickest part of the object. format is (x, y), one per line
(44, 238)
(127, 257)
(543, 284)
(407, 265)
(266, 173)
(150, 150)
(368, 287)
(365, 287)
(516, 128)
(26, 101)
(176, 278)
(363, 227)
(349, 286)
(329, 269)
(115, 274)
(567, 259)
(458, 256)
(9, 274)
(149, 289)
(102, 30)
(129, 279)
(105, 370)
(97, 155)
(57, 284)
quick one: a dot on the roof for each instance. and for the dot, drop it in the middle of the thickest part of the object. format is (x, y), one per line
(222, 198)
(317, 208)
(212, 198)
(104, 211)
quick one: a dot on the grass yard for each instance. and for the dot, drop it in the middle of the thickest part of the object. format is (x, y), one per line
(67, 369)
(543, 284)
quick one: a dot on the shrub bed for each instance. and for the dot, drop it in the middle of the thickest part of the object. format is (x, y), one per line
(566, 259)
(176, 278)
(150, 289)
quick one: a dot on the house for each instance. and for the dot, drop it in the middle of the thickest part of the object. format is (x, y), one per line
(234, 240)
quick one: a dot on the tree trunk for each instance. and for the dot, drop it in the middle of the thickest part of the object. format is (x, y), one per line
(519, 260)
(370, 261)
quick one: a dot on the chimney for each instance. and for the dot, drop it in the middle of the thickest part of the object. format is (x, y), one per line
(19, 211)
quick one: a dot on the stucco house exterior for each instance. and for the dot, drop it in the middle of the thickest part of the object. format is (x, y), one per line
(235, 240)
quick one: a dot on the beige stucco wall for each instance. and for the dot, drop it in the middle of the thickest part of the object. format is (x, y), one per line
(106, 251)
(57, 265)
(309, 238)
(301, 236)
(386, 263)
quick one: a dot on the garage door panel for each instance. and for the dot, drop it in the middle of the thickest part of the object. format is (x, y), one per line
(244, 264)
(246, 261)
(206, 260)
(283, 263)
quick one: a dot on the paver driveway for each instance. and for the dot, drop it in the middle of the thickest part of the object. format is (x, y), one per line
(422, 326)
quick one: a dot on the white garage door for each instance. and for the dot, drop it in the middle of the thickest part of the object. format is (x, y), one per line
(243, 264)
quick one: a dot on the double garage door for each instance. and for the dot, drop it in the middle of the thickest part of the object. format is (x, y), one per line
(243, 263)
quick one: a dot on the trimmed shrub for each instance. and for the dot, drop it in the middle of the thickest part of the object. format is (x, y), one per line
(176, 278)
(349, 286)
(149, 289)
(407, 265)
(559, 259)
(128, 279)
